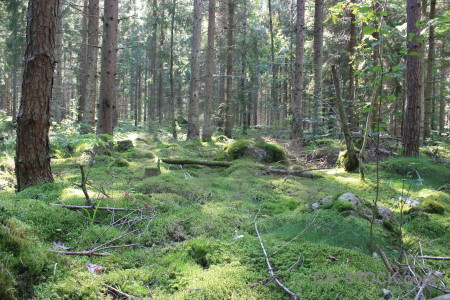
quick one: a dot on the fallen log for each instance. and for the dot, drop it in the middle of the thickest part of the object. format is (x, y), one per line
(297, 173)
(174, 161)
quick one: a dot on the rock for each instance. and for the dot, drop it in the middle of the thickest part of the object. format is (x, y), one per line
(350, 197)
(315, 205)
(326, 200)
(374, 255)
(412, 202)
(386, 213)
(387, 294)
(152, 172)
(124, 145)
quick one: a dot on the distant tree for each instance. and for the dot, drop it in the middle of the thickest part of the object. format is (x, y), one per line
(318, 60)
(193, 114)
(209, 97)
(229, 71)
(428, 89)
(297, 102)
(413, 80)
(108, 69)
(33, 121)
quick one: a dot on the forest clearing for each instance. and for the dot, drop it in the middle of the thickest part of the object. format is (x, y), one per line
(224, 149)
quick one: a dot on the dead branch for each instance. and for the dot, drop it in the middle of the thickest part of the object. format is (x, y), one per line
(118, 292)
(94, 208)
(93, 252)
(435, 257)
(83, 185)
(385, 260)
(422, 287)
(271, 272)
(175, 161)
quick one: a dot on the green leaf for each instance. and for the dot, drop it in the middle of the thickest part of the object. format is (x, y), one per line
(365, 9)
(420, 40)
(368, 29)
(390, 97)
(383, 13)
(367, 109)
(413, 53)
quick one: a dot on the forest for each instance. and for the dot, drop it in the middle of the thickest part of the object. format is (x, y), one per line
(224, 149)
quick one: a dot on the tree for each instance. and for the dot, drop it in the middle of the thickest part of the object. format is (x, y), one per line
(193, 118)
(108, 68)
(297, 102)
(413, 84)
(207, 127)
(318, 60)
(33, 121)
(428, 92)
(229, 70)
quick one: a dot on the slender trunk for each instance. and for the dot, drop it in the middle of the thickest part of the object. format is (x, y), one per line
(58, 96)
(7, 103)
(193, 115)
(207, 126)
(229, 70)
(92, 61)
(32, 164)
(83, 64)
(151, 105)
(351, 71)
(428, 89)
(297, 103)
(160, 69)
(172, 94)
(243, 92)
(15, 96)
(442, 101)
(108, 68)
(274, 91)
(411, 132)
(318, 61)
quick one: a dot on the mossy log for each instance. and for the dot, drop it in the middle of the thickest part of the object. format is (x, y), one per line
(175, 161)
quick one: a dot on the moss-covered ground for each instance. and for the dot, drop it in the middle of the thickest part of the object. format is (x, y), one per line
(202, 242)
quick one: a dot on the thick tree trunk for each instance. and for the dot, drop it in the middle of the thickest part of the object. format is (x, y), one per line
(193, 115)
(108, 69)
(229, 70)
(318, 61)
(428, 92)
(411, 130)
(297, 103)
(209, 97)
(33, 121)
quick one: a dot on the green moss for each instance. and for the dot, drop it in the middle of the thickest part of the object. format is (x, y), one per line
(275, 153)
(348, 162)
(433, 207)
(120, 162)
(341, 206)
(269, 153)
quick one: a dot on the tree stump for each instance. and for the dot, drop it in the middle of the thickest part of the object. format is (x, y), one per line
(124, 145)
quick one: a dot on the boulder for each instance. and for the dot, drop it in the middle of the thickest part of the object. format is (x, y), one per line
(363, 208)
(124, 145)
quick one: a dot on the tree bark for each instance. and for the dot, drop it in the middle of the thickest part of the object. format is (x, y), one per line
(58, 95)
(428, 92)
(160, 68)
(229, 70)
(318, 61)
(172, 94)
(151, 105)
(411, 132)
(442, 101)
(297, 103)
(210, 52)
(193, 114)
(108, 69)
(83, 63)
(351, 71)
(33, 121)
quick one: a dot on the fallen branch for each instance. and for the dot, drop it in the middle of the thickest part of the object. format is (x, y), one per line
(385, 260)
(93, 252)
(119, 292)
(435, 257)
(271, 272)
(175, 161)
(94, 208)
(299, 173)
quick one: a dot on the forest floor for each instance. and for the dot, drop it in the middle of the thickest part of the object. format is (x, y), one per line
(190, 232)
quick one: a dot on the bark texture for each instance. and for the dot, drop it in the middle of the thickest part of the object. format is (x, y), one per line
(229, 70)
(33, 120)
(108, 69)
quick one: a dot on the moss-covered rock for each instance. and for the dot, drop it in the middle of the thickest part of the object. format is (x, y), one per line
(256, 149)
(432, 207)
(121, 163)
(348, 162)
(124, 145)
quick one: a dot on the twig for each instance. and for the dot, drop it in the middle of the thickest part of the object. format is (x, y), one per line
(422, 287)
(94, 208)
(86, 253)
(119, 292)
(435, 257)
(385, 260)
(271, 272)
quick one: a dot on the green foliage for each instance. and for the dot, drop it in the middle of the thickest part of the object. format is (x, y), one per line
(120, 163)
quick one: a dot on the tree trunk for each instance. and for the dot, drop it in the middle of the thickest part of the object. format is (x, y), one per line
(209, 97)
(33, 121)
(229, 71)
(92, 60)
(83, 63)
(274, 90)
(172, 94)
(160, 68)
(7, 101)
(413, 84)
(151, 105)
(350, 161)
(243, 93)
(428, 92)
(351, 71)
(318, 61)
(297, 102)
(108, 69)
(193, 114)
(58, 95)
(442, 101)
(14, 97)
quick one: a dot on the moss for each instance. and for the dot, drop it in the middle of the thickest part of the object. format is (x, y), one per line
(340, 206)
(124, 145)
(275, 153)
(432, 207)
(267, 152)
(348, 162)
(120, 162)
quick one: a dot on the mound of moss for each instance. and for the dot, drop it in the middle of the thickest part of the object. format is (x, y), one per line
(256, 149)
